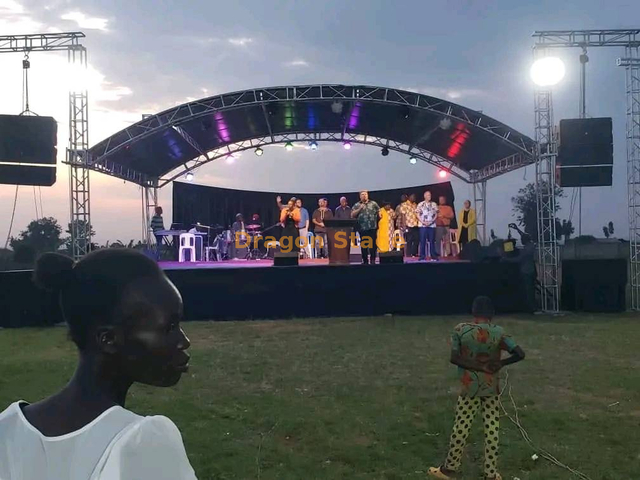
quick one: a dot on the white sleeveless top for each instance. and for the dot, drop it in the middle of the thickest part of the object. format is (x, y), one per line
(116, 445)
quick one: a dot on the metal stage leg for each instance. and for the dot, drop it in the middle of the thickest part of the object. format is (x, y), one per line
(546, 205)
(480, 205)
(149, 203)
(79, 191)
(632, 67)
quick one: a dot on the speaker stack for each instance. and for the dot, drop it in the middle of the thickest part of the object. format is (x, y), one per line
(585, 153)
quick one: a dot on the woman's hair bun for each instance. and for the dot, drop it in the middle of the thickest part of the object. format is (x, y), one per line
(53, 271)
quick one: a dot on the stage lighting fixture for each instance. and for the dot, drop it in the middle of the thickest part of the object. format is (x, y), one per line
(313, 145)
(385, 152)
(189, 176)
(346, 145)
(230, 158)
(547, 71)
(442, 173)
(288, 146)
(413, 160)
(258, 151)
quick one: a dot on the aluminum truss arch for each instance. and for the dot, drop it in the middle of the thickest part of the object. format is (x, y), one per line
(177, 118)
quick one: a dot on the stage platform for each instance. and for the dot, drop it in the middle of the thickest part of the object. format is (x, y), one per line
(243, 289)
(256, 289)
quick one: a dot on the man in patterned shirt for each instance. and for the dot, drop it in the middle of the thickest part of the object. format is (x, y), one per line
(366, 212)
(476, 348)
(427, 213)
(407, 209)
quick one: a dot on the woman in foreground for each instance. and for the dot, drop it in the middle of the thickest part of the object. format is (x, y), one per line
(124, 316)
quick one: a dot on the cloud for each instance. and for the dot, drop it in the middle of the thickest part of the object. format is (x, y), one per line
(297, 63)
(84, 21)
(14, 19)
(240, 41)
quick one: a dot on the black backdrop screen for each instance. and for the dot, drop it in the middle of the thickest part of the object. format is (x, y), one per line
(219, 206)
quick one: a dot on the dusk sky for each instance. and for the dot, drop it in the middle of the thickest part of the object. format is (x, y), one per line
(147, 56)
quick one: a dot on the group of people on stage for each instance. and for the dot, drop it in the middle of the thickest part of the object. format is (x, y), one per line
(423, 229)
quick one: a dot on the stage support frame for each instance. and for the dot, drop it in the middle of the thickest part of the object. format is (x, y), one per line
(149, 203)
(76, 158)
(631, 62)
(480, 205)
(545, 42)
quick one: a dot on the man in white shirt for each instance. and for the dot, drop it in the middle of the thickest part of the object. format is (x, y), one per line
(427, 213)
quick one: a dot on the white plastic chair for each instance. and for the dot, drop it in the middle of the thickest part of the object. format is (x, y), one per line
(454, 241)
(398, 240)
(312, 244)
(187, 243)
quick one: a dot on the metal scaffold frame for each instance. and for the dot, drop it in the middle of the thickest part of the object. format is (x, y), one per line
(480, 205)
(149, 203)
(631, 62)
(545, 41)
(76, 158)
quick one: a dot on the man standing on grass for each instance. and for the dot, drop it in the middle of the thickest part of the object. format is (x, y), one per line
(476, 349)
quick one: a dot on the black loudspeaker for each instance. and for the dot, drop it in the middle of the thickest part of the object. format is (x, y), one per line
(598, 176)
(391, 257)
(472, 252)
(27, 175)
(28, 140)
(25, 139)
(282, 259)
(594, 285)
(585, 153)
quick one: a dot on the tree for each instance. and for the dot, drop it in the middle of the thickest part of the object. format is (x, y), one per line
(67, 240)
(40, 236)
(525, 208)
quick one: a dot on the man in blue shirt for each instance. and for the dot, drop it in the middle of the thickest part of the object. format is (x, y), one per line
(303, 228)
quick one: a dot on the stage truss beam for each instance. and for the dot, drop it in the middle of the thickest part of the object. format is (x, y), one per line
(545, 41)
(199, 108)
(253, 143)
(631, 62)
(76, 155)
(480, 206)
(149, 203)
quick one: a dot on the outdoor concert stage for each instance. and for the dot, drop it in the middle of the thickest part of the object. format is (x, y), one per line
(242, 289)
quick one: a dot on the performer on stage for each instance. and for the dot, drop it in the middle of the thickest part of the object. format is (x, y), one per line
(290, 218)
(157, 223)
(409, 212)
(239, 231)
(321, 214)
(366, 212)
(476, 349)
(427, 212)
(443, 225)
(466, 224)
(255, 221)
(386, 228)
(343, 211)
(303, 226)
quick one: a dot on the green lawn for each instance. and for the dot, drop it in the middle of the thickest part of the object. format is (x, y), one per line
(372, 398)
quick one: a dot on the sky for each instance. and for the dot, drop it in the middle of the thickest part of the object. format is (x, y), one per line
(146, 56)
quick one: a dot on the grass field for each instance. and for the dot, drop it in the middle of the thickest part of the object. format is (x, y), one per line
(372, 398)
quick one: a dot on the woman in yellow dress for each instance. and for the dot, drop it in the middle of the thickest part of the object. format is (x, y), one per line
(384, 241)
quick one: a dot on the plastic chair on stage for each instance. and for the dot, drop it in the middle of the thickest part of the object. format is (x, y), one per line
(454, 242)
(187, 244)
(312, 245)
(398, 240)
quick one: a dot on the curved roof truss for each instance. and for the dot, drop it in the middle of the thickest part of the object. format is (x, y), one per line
(202, 131)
